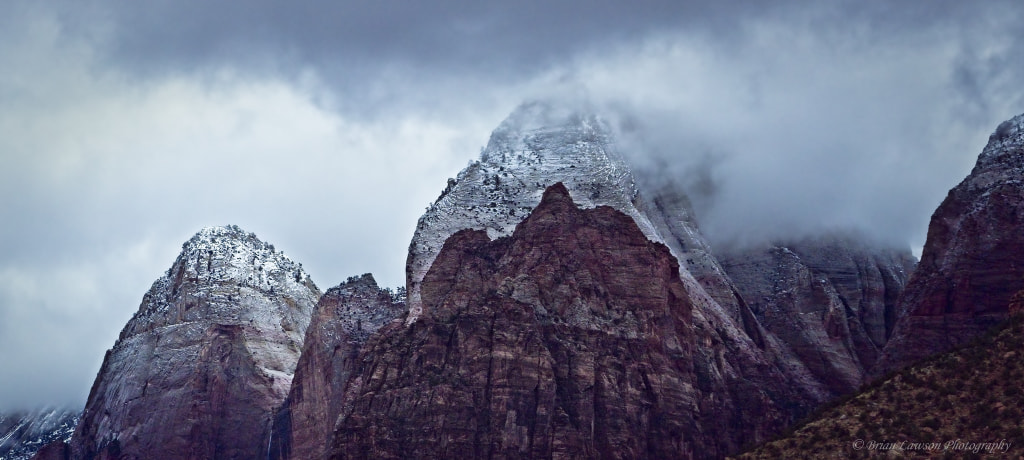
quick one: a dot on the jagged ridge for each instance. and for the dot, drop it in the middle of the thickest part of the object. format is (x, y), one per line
(345, 317)
(573, 336)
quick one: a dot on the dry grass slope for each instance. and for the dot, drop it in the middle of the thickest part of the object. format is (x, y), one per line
(943, 407)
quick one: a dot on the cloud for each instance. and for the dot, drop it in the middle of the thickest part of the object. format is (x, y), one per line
(105, 176)
(59, 318)
(790, 131)
(326, 127)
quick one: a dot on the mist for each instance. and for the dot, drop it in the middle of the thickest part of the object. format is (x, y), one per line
(836, 134)
(326, 128)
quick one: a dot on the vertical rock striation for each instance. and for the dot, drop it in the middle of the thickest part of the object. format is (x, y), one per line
(830, 300)
(200, 368)
(539, 145)
(971, 263)
(23, 433)
(344, 319)
(573, 337)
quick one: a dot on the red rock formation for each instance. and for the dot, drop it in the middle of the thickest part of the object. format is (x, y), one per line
(574, 337)
(209, 356)
(830, 300)
(973, 260)
(57, 450)
(344, 318)
(540, 144)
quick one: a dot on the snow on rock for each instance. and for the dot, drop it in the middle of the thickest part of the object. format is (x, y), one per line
(536, 146)
(345, 318)
(228, 276)
(1007, 139)
(22, 433)
(573, 337)
(830, 299)
(970, 265)
(213, 347)
(540, 145)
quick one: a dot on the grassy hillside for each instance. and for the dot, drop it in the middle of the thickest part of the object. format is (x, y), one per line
(967, 403)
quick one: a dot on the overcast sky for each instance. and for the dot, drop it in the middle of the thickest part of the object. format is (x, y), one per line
(327, 127)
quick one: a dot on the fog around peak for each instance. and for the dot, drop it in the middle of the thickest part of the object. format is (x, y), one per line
(326, 127)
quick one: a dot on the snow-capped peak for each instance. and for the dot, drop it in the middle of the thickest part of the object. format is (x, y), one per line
(1007, 138)
(536, 146)
(216, 277)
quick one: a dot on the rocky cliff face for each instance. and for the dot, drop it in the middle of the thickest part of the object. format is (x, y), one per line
(572, 337)
(830, 300)
(670, 211)
(344, 318)
(539, 145)
(971, 263)
(22, 433)
(611, 330)
(200, 368)
(534, 148)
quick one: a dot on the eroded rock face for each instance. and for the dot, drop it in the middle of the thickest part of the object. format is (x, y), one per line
(535, 147)
(971, 263)
(573, 337)
(345, 317)
(830, 300)
(200, 368)
(23, 433)
(540, 144)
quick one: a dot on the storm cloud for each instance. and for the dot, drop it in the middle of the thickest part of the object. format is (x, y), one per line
(326, 127)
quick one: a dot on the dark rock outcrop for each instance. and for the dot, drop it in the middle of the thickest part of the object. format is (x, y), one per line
(344, 318)
(973, 260)
(201, 367)
(573, 337)
(831, 301)
(23, 433)
(57, 450)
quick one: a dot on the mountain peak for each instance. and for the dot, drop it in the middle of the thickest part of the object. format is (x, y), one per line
(970, 265)
(556, 192)
(573, 334)
(539, 128)
(207, 358)
(547, 115)
(364, 281)
(1006, 143)
(214, 233)
(216, 271)
(231, 246)
(539, 144)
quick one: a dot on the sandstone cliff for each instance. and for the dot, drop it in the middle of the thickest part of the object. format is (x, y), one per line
(971, 263)
(539, 145)
(830, 300)
(345, 317)
(573, 337)
(200, 368)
